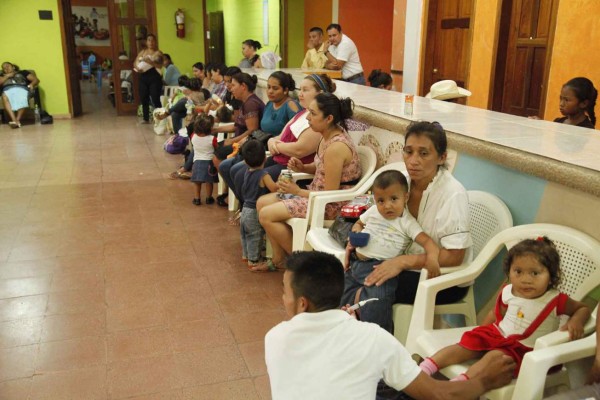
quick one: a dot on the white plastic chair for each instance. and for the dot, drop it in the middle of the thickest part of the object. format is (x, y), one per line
(167, 93)
(318, 237)
(488, 215)
(580, 262)
(368, 161)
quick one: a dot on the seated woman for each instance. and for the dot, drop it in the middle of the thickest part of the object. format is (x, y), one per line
(279, 110)
(297, 138)
(16, 85)
(441, 206)
(192, 92)
(336, 166)
(251, 59)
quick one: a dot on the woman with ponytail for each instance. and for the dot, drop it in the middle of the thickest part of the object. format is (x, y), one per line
(249, 49)
(336, 166)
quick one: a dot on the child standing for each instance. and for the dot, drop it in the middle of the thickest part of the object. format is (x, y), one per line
(203, 154)
(526, 309)
(257, 182)
(392, 229)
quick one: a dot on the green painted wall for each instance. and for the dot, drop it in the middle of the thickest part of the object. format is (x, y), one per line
(34, 44)
(244, 20)
(296, 33)
(184, 51)
(214, 5)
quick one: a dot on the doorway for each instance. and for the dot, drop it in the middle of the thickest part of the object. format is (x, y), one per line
(130, 23)
(70, 58)
(523, 61)
(215, 38)
(448, 43)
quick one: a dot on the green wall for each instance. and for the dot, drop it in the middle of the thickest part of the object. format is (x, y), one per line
(184, 51)
(34, 44)
(243, 20)
(296, 33)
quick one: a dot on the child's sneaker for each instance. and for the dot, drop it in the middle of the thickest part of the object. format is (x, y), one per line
(209, 200)
(196, 202)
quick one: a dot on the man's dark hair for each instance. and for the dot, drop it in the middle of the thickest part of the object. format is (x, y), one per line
(317, 276)
(316, 29)
(231, 71)
(335, 26)
(220, 68)
(253, 153)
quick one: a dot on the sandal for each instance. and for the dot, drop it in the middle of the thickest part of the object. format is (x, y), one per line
(184, 175)
(266, 266)
(14, 125)
(234, 220)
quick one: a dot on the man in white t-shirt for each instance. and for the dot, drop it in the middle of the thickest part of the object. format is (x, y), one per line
(322, 352)
(342, 54)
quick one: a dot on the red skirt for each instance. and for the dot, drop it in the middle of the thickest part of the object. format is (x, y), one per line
(488, 337)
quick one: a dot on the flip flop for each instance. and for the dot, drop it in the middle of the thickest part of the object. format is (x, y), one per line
(266, 266)
(13, 124)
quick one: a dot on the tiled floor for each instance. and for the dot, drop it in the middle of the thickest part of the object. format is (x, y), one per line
(112, 284)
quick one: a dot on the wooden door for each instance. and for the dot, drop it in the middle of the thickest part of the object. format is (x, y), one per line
(448, 43)
(526, 58)
(130, 23)
(215, 38)
(70, 58)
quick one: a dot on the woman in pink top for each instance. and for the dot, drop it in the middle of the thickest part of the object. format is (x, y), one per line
(298, 139)
(336, 166)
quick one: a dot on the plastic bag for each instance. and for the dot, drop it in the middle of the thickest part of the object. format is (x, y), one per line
(269, 59)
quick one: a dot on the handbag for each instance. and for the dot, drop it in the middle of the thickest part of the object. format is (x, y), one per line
(340, 229)
(261, 136)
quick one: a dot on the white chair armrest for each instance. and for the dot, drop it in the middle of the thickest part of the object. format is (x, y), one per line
(297, 176)
(535, 365)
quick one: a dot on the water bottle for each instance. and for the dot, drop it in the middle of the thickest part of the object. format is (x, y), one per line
(189, 107)
(38, 118)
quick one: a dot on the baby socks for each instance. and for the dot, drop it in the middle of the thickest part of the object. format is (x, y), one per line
(430, 367)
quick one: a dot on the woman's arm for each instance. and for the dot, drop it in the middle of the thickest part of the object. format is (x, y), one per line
(432, 254)
(393, 267)
(252, 124)
(33, 79)
(306, 145)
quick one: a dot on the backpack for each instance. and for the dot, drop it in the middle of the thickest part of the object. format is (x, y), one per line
(176, 144)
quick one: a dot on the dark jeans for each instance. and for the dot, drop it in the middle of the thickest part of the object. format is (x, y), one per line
(178, 112)
(406, 291)
(378, 312)
(150, 88)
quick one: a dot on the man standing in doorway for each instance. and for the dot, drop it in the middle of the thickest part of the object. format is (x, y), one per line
(315, 57)
(342, 54)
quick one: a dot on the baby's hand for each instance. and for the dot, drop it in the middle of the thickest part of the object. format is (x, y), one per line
(575, 329)
(349, 249)
(351, 312)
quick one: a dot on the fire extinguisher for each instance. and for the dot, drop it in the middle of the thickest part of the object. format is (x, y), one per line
(180, 23)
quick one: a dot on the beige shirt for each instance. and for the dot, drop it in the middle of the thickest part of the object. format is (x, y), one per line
(315, 58)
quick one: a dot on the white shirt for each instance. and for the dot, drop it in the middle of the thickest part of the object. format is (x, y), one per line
(522, 312)
(346, 51)
(330, 355)
(444, 215)
(203, 148)
(388, 238)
